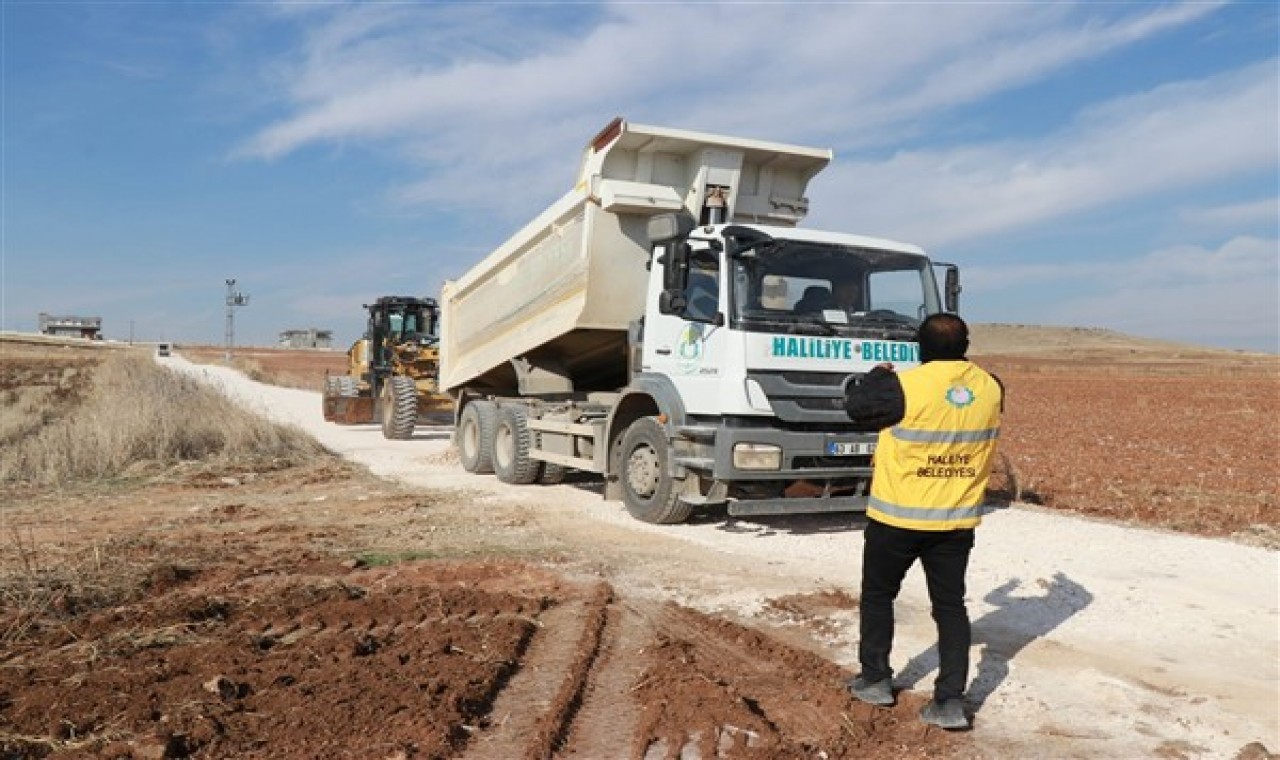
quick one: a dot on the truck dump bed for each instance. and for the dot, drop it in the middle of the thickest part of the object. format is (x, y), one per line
(563, 290)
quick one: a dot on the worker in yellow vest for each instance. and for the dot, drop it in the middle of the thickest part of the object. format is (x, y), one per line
(938, 427)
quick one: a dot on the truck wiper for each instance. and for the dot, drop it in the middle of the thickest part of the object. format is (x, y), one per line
(816, 321)
(883, 316)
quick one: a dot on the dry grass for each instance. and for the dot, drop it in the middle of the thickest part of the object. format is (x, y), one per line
(137, 417)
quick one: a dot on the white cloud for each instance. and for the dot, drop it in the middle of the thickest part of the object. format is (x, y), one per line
(1228, 296)
(1175, 136)
(475, 97)
(1249, 214)
(489, 110)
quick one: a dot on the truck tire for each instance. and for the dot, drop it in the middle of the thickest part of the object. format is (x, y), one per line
(474, 437)
(511, 443)
(552, 474)
(648, 490)
(399, 408)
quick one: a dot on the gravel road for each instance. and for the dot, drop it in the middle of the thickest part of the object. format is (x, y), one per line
(1090, 639)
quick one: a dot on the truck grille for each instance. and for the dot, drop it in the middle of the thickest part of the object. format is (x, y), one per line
(813, 397)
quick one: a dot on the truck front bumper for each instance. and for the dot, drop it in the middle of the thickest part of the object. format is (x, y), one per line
(804, 454)
(830, 483)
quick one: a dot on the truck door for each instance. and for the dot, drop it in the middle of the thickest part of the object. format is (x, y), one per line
(688, 343)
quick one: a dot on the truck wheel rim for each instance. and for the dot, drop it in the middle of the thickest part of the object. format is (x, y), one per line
(642, 471)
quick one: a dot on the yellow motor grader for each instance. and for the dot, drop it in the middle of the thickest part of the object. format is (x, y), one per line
(392, 370)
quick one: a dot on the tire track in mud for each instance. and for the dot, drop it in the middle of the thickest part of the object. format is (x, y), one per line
(607, 721)
(524, 720)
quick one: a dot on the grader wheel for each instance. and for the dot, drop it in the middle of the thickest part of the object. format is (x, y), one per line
(399, 408)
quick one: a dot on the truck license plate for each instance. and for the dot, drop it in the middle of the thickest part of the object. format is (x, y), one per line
(850, 448)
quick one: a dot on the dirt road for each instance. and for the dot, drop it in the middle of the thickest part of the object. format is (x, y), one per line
(1091, 639)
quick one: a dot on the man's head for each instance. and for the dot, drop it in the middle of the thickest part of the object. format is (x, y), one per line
(847, 294)
(943, 337)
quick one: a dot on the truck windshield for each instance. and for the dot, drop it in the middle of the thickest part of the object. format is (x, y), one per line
(823, 289)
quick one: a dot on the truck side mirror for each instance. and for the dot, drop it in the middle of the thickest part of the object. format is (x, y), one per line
(952, 289)
(672, 302)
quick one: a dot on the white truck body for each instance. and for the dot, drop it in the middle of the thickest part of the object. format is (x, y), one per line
(582, 324)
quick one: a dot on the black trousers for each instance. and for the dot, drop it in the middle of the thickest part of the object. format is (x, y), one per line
(888, 554)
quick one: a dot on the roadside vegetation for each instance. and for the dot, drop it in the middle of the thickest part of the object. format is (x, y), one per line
(85, 431)
(127, 416)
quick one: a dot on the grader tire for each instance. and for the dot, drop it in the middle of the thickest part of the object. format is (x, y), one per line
(474, 436)
(399, 408)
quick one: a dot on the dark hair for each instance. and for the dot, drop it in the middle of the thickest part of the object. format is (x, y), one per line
(943, 337)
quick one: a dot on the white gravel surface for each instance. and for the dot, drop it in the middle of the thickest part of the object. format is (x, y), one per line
(1091, 639)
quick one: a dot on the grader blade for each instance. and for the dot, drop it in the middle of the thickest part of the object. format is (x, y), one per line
(352, 410)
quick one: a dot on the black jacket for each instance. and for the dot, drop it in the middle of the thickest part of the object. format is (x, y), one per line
(876, 400)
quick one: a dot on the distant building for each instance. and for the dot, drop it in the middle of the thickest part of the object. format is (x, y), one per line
(71, 327)
(311, 338)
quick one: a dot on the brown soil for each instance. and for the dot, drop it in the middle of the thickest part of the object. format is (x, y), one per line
(1189, 447)
(224, 615)
(292, 368)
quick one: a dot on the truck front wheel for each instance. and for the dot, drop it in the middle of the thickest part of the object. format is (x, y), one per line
(648, 490)
(474, 437)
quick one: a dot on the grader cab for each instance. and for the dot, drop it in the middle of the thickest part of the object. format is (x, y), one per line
(392, 370)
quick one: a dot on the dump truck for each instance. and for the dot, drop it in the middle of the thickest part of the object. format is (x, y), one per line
(392, 369)
(667, 325)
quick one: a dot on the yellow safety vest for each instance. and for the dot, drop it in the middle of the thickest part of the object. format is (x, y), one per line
(931, 469)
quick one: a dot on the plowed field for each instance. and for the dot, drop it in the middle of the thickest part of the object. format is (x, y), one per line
(210, 620)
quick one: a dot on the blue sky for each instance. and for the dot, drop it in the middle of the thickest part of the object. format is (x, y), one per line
(1097, 164)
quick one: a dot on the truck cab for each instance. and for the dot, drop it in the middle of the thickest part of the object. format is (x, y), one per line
(756, 330)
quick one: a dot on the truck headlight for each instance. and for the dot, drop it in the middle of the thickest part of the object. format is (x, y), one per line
(757, 456)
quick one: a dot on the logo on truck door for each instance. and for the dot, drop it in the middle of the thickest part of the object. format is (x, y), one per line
(690, 350)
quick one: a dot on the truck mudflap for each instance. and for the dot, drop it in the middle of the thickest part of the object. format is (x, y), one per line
(797, 505)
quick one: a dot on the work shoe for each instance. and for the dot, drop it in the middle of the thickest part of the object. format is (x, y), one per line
(948, 714)
(878, 693)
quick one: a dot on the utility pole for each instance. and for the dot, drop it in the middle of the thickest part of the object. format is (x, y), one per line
(234, 299)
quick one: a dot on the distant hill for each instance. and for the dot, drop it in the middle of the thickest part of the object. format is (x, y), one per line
(989, 339)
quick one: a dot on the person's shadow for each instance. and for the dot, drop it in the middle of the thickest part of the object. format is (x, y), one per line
(1005, 631)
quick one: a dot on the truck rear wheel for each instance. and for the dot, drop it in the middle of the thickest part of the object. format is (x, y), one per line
(648, 490)
(511, 443)
(552, 474)
(399, 408)
(474, 437)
